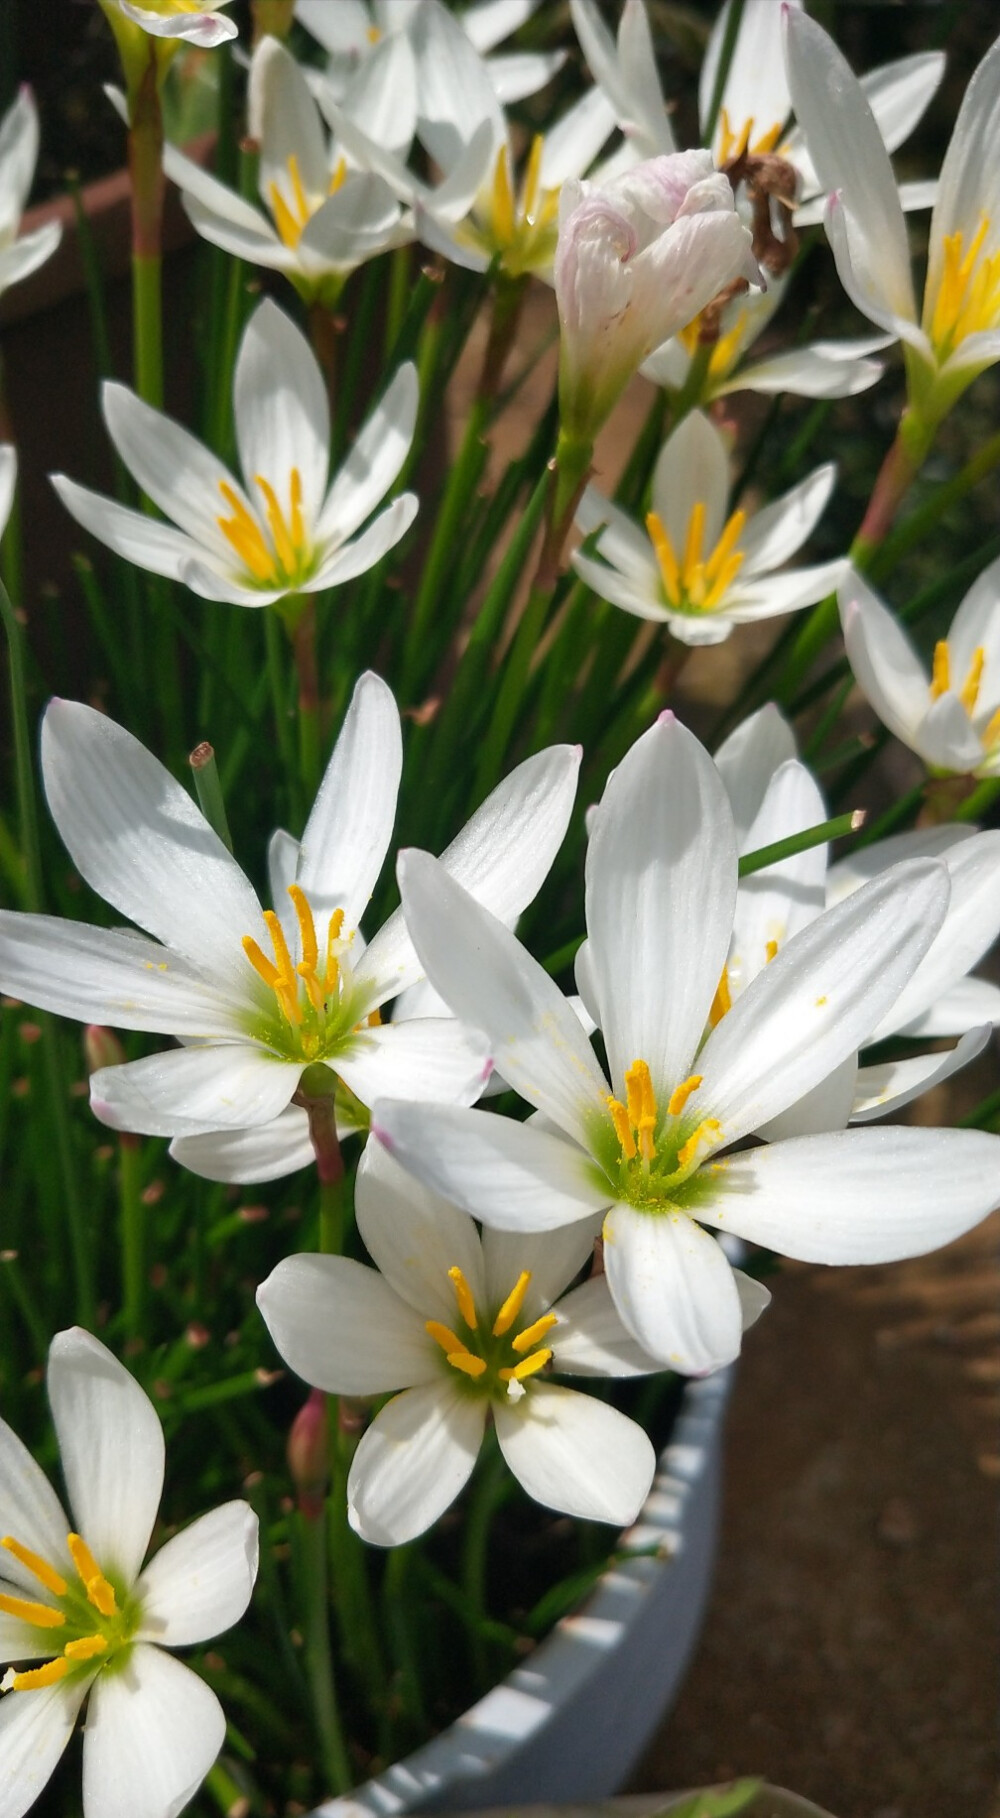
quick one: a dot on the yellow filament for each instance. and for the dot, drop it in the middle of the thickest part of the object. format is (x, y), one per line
(503, 199)
(337, 177)
(692, 583)
(512, 1305)
(669, 568)
(443, 1335)
(532, 178)
(517, 1372)
(968, 299)
(722, 553)
(260, 963)
(531, 1334)
(38, 1677)
(722, 1002)
(86, 1647)
(38, 1567)
(289, 230)
(40, 1615)
(465, 1361)
(245, 535)
(695, 533)
(307, 929)
(284, 547)
(770, 952)
(623, 1129)
(463, 1295)
(992, 734)
(680, 1094)
(99, 1592)
(297, 188)
(970, 690)
(708, 1128)
(332, 937)
(941, 672)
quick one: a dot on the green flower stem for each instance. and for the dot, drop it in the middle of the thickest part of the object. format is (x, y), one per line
(979, 800)
(311, 1537)
(919, 522)
(145, 158)
(399, 296)
(15, 1280)
(221, 1787)
(690, 393)
(209, 791)
(321, 1111)
(491, 1489)
(132, 1227)
(302, 632)
(508, 302)
(280, 702)
(836, 829)
(324, 335)
(460, 487)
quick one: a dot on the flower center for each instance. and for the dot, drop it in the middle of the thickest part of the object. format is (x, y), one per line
(493, 1353)
(292, 207)
(691, 582)
(520, 227)
(968, 297)
(91, 1623)
(734, 144)
(310, 996)
(657, 1154)
(969, 691)
(281, 555)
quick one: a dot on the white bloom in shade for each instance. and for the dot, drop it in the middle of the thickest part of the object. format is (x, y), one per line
(18, 157)
(468, 1328)
(654, 1150)
(351, 31)
(195, 21)
(75, 1597)
(258, 997)
(950, 718)
(696, 568)
(289, 529)
(635, 261)
(957, 334)
(8, 481)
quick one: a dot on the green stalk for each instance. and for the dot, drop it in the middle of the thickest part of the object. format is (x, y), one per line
(980, 800)
(463, 479)
(145, 157)
(13, 1275)
(801, 842)
(209, 791)
(318, 1655)
(279, 701)
(132, 1228)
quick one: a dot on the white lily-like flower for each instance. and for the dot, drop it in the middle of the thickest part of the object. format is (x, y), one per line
(196, 22)
(465, 1327)
(74, 1595)
(950, 718)
(259, 997)
(635, 261)
(655, 1150)
(289, 529)
(957, 333)
(351, 31)
(19, 135)
(697, 568)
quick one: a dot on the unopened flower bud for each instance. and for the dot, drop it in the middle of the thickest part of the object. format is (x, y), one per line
(101, 1048)
(308, 1454)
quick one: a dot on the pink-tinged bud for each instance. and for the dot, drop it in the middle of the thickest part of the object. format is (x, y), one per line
(101, 1048)
(308, 1454)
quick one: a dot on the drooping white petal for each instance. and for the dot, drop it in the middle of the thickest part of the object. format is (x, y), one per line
(280, 407)
(177, 471)
(101, 975)
(143, 540)
(374, 460)
(34, 1731)
(191, 1091)
(674, 1289)
(747, 760)
(201, 1582)
(809, 372)
(575, 1453)
(778, 532)
(267, 1152)
(887, 1088)
(591, 1338)
(349, 828)
(884, 662)
(900, 92)
(414, 1237)
(858, 1195)
(111, 1445)
(414, 1459)
(204, 28)
(342, 1328)
(30, 1511)
(772, 594)
(153, 1731)
(344, 561)
(661, 890)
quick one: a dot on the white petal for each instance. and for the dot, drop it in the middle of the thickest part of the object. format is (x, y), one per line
(970, 929)
(773, 904)
(375, 458)
(201, 1582)
(885, 665)
(661, 890)
(826, 1106)
(191, 1091)
(177, 471)
(382, 94)
(252, 239)
(643, 598)
(489, 21)
(152, 545)
(153, 1731)
(968, 187)
(521, 73)
(574, 1453)
(269, 1152)
(778, 593)
(775, 534)
(971, 1002)
(34, 1730)
(348, 831)
(806, 372)
(674, 1289)
(414, 1459)
(111, 1445)
(280, 406)
(886, 1089)
(347, 560)
(858, 1195)
(592, 1339)
(414, 1237)
(456, 94)
(342, 1328)
(507, 1174)
(900, 92)
(621, 542)
(573, 142)
(205, 28)
(103, 975)
(30, 1511)
(976, 626)
(283, 118)
(551, 1258)
(747, 760)
(19, 142)
(945, 737)
(692, 469)
(755, 88)
(28, 253)
(433, 1059)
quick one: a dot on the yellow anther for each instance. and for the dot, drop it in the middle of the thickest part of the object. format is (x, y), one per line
(518, 1372)
(512, 1305)
(695, 534)
(307, 929)
(532, 178)
(469, 1364)
(373, 34)
(337, 177)
(680, 1094)
(260, 963)
(991, 736)
(968, 297)
(40, 1615)
(244, 533)
(503, 199)
(941, 672)
(285, 549)
(289, 230)
(623, 1129)
(374, 1019)
(722, 556)
(639, 1088)
(333, 936)
(463, 1294)
(707, 1130)
(298, 190)
(670, 573)
(733, 145)
(970, 687)
(86, 1647)
(692, 583)
(445, 1337)
(38, 1567)
(645, 1131)
(39, 1677)
(531, 1334)
(770, 952)
(99, 1592)
(722, 1002)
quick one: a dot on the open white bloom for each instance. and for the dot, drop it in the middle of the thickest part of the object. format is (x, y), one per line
(74, 1596)
(696, 568)
(655, 1150)
(289, 529)
(257, 997)
(635, 261)
(468, 1328)
(951, 718)
(18, 157)
(194, 21)
(957, 333)
(351, 31)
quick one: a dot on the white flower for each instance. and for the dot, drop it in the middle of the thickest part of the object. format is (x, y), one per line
(75, 1597)
(257, 998)
(696, 568)
(351, 31)
(648, 1150)
(18, 157)
(195, 21)
(465, 1327)
(635, 262)
(958, 332)
(289, 529)
(950, 718)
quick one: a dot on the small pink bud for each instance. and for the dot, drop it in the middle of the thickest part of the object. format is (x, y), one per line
(101, 1048)
(308, 1454)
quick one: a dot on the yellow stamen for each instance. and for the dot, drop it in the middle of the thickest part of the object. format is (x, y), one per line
(503, 200)
(295, 508)
(86, 1647)
(532, 177)
(284, 547)
(722, 552)
(518, 1372)
(670, 573)
(722, 1002)
(463, 1294)
(623, 1129)
(38, 1567)
(333, 936)
(467, 1363)
(245, 535)
(307, 928)
(99, 1592)
(708, 1128)
(733, 145)
(770, 952)
(337, 177)
(531, 1334)
(695, 533)
(970, 689)
(968, 297)
(373, 34)
(645, 1129)
(692, 583)
(680, 1094)
(260, 963)
(297, 188)
(374, 1019)
(289, 230)
(941, 672)
(445, 1337)
(992, 734)
(512, 1305)
(38, 1677)
(40, 1615)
